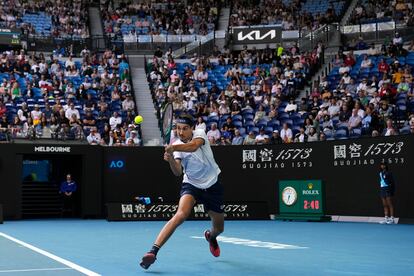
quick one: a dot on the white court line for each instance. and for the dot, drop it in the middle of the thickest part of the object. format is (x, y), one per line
(51, 256)
(35, 269)
(253, 243)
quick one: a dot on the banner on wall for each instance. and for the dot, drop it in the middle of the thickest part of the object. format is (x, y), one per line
(257, 35)
(165, 211)
(343, 153)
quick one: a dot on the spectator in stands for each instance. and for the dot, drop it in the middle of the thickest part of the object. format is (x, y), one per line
(214, 134)
(291, 107)
(276, 139)
(250, 139)
(373, 51)
(261, 137)
(398, 41)
(201, 124)
(228, 125)
(23, 112)
(333, 108)
(115, 120)
(158, 53)
(301, 136)
(237, 138)
(94, 137)
(134, 138)
(88, 121)
(327, 124)
(260, 114)
(75, 125)
(72, 111)
(286, 133)
(312, 135)
(389, 129)
(128, 103)
(383, 67)
(355, 120)
(366, 63)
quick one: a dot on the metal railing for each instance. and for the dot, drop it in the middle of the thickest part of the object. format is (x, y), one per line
(74, 45)
(376, 32)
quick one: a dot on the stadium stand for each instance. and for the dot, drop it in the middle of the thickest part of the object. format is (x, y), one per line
(163, 17)
(66, 98)
(292, 15)
(88, 95)
(252, 87)
(368, 11)
(57, 19)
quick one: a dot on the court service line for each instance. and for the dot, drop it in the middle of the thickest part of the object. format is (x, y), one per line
(253, 243)
(51, 256)
(36, 269)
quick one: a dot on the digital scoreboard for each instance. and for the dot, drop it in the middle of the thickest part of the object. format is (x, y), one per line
(10, 36)
(301, 200)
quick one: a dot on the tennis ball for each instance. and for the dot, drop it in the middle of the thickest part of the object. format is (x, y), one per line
(138, 119)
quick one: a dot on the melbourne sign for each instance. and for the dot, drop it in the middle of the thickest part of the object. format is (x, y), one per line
(52, 149)
(257, 35)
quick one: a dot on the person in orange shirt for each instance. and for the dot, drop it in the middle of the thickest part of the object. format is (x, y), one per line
(396, 77)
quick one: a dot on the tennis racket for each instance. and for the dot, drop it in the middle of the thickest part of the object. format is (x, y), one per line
(167, 121)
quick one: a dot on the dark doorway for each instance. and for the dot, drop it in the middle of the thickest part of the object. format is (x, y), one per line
(41, 179)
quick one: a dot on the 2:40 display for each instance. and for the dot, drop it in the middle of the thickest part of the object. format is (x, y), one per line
(311, 204)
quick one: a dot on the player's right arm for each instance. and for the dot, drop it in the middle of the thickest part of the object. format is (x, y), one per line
(175, 164)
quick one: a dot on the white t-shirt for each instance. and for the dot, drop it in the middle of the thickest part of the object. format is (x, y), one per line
(199, 167)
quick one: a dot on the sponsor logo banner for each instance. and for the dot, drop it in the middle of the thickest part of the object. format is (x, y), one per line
(257, 35)
(364, 153)
(165, 211)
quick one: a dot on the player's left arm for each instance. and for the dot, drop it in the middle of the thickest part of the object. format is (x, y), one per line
(191, 146)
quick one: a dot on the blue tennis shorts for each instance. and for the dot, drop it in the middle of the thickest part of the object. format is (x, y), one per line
(387, 192)
(212, 197)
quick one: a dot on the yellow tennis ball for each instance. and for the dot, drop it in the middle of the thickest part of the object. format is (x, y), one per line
(138, 119)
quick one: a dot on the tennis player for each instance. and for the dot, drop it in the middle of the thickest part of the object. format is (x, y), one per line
(192, 156)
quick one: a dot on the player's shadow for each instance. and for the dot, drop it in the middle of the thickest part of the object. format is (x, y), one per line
(154, 272)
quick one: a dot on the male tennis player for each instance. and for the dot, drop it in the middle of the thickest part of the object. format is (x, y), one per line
(192, 156)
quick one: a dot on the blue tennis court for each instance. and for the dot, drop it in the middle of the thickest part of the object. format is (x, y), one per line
(76, 247)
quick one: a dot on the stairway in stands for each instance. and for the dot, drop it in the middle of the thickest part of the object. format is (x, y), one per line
(40, 200)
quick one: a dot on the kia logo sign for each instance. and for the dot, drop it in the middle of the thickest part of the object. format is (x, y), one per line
(257, 35)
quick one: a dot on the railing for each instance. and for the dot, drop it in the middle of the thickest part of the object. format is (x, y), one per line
(377, 31)
(72, 44)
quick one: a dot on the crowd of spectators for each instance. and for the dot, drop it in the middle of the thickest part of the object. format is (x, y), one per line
(290, 14)
(163, 17)
(370, 94)
(237, 97)
(52, 97)
(371, 11)
(59, 19)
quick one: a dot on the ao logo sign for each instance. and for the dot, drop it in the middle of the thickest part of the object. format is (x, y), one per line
(117, 164)
(255, 35)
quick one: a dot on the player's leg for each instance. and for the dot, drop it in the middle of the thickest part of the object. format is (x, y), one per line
(217, 221)
(213, 202)
(391, 209)
(185, 205)
(386, 212)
